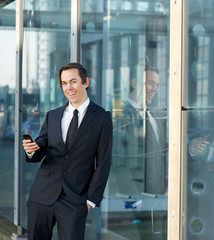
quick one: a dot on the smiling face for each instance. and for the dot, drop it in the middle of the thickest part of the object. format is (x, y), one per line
(73, 88)
(152, 81)
(150, 86)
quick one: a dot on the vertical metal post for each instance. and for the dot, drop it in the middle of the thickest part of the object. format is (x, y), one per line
(18, 115)
(184, 82)
(175, 120)
(75, 30)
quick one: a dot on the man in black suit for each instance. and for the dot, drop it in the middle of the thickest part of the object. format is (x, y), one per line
(143, 138)
(74, 170)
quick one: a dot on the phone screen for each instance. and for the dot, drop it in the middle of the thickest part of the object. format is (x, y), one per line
(28, 136)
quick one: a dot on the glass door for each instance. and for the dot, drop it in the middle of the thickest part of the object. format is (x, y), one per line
(46, 47)
(7, 107)
(125, 47)
(199, 114)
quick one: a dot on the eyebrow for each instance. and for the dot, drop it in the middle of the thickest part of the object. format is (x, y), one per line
(152, 81)
(70, 79)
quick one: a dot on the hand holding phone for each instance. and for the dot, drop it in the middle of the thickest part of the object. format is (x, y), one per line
(205, 140)
(198, 145)
(29, 147)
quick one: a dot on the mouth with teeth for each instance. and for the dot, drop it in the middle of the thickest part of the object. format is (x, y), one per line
(71, 93)
(150, 97)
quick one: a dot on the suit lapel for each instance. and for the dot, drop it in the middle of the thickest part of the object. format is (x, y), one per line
(58, 120)
(159, 127)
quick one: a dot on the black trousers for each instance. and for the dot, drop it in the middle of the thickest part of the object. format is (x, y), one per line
(70, 220)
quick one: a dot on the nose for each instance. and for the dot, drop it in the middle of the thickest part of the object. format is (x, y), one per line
(154, 88)
(69, 85)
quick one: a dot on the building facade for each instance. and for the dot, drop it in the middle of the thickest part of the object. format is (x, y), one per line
(150, 65)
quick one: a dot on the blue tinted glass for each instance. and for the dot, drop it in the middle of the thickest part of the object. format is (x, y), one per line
(46, 48)
(125, 46)
(200, 115)
(200, 169)
(200, 59)
(7, 103)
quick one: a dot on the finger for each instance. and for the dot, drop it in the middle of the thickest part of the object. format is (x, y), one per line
(89, 207)
(31, 150)
(201, 148)
(31, 147)
(26, 141)
(29, 144)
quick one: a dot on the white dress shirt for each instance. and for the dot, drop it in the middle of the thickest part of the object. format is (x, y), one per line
(152, 120)
(68, 115)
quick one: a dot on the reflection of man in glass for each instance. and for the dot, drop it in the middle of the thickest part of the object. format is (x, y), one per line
(143, 136)
(198, 145)
(152, 82)
(154, 141)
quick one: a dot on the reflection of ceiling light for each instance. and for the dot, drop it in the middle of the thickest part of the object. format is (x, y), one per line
(107, 18)
(53, 24)
(142, 6)
(91, 2)
(90, 26)
(126, 5)
(162, 8)
(198, 30)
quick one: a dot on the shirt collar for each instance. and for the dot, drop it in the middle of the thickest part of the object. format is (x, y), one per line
(135, 105)
(81, 108)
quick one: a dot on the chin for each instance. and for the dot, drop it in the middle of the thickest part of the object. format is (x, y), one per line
(72, 100)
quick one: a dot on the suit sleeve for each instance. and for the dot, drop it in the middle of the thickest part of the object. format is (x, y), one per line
(42, 141)
(103, 163)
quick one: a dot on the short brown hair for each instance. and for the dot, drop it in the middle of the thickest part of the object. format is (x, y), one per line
(82, 71)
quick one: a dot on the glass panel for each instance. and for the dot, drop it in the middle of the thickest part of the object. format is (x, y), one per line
(7, 94)
(199, 115)
(46, 48)
(125, 47)
(200, 58)
(200, 169)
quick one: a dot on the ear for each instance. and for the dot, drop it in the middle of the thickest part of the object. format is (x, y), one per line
(87, 83)
(133, 82)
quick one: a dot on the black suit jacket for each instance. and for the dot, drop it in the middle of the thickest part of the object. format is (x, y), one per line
(155, 160)
(82, 170)
(139, 148)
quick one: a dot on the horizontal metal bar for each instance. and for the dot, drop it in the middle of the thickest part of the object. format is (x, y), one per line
(211, 108)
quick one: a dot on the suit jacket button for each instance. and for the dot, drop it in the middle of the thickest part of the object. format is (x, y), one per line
(64, 173)
(66, 156)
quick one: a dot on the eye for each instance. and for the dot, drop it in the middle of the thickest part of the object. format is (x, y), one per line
(151, 83)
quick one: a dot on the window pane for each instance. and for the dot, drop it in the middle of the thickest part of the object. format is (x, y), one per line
(46, 48)
(200, 57)
(199, 115)
(200, 169)
(7, 118)
(125, 47)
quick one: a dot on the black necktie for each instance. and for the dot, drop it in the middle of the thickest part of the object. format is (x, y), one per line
(72, 130)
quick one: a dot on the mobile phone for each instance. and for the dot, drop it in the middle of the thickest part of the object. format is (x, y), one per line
(205, 139)
(27, 137)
